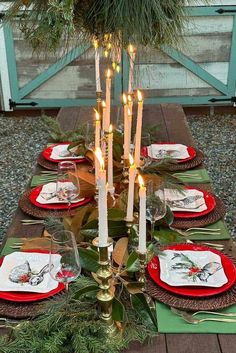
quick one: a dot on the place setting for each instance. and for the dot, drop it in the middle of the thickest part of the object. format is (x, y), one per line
(31, 276)
(60, 197)
(180, 157)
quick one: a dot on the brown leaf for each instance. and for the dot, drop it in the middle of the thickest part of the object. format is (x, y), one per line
(77, 221)
(120, 252)
(134, 287)
(46, 234)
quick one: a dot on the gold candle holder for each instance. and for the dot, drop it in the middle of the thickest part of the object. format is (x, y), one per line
(99, 102)
(125, 173)
(129, 225)
(105, 296)
(142, 260)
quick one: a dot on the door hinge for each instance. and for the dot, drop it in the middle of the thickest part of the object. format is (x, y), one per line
(232, 99)
(220, 11)
(13, 104)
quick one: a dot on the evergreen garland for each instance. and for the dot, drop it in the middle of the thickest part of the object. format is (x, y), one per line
(140, 22)
(72, 325)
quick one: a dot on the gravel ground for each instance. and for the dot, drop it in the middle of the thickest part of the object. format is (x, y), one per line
(20, 143)
(20, 137)
(216, 137)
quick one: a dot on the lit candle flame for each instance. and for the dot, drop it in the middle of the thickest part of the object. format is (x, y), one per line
(129, 98)
(131, 49)
(108, 73)
(103, 104)
(118, 68)
(97, 115)
(129, 112)
(110, 129)
(95, 43)
(131, 160)
(109, 46)
(124, 98)
(106, 53)
(140, 97)
(140, 180)
(98, 154)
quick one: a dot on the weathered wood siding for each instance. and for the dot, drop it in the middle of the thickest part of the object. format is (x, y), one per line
(207, 41)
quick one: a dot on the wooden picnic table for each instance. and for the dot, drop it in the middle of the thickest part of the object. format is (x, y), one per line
(173, 127)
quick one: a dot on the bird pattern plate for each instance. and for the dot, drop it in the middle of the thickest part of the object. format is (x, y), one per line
(190, 276)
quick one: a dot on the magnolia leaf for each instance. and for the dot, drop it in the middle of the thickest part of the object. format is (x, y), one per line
(167, 236)
(150, 253)
(85, 290)
(134, 287)
(89, 259)
(116, 214)
(67, 223)
(77, 222)
(118, 310)
(93, 215)
(120, 252)
(132, 264)
(169, 217)
(141, 306)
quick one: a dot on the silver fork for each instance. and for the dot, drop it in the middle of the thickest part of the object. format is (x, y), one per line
(180, 312)
(187, 233)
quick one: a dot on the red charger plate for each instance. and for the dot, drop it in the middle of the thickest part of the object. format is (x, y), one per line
(30, 296)
(209, 200)
(47, 155)
(191, 151)
(56, 206)
(191, 291)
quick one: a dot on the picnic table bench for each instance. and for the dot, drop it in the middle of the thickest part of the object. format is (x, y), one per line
(173, 126)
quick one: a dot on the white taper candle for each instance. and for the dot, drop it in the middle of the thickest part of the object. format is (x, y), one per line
(130, 204)
(102, 201)
(138, 130)
(142, 248)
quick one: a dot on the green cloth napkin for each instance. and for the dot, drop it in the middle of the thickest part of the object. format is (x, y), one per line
(169, 322)
(186, 177)
(40, 180)
(224, 234)
(6, 250)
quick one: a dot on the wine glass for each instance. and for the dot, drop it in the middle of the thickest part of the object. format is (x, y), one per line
(155, 204)
(66, 270)
(68, 188)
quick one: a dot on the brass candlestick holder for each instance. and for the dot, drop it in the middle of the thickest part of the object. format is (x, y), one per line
(105, 295)
(129, 225)
(142, 260)
(125, 173)
(99, 102)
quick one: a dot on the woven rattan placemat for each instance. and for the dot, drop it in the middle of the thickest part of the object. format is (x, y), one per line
(210, 218)
(32, 210)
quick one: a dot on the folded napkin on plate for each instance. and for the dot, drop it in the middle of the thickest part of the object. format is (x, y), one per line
(168, 322)
(28, 272)
(196, 176)
(48, 193)
(185, 200)
(61, 152)
(176, 151)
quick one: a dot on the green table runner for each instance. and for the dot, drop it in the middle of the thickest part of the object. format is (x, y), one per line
(169, 322)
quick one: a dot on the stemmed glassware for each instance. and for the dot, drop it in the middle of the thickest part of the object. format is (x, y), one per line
(63, 243)
(68, 188)
(155, 204)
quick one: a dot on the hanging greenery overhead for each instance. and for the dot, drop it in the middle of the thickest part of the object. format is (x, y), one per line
(46, 23)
